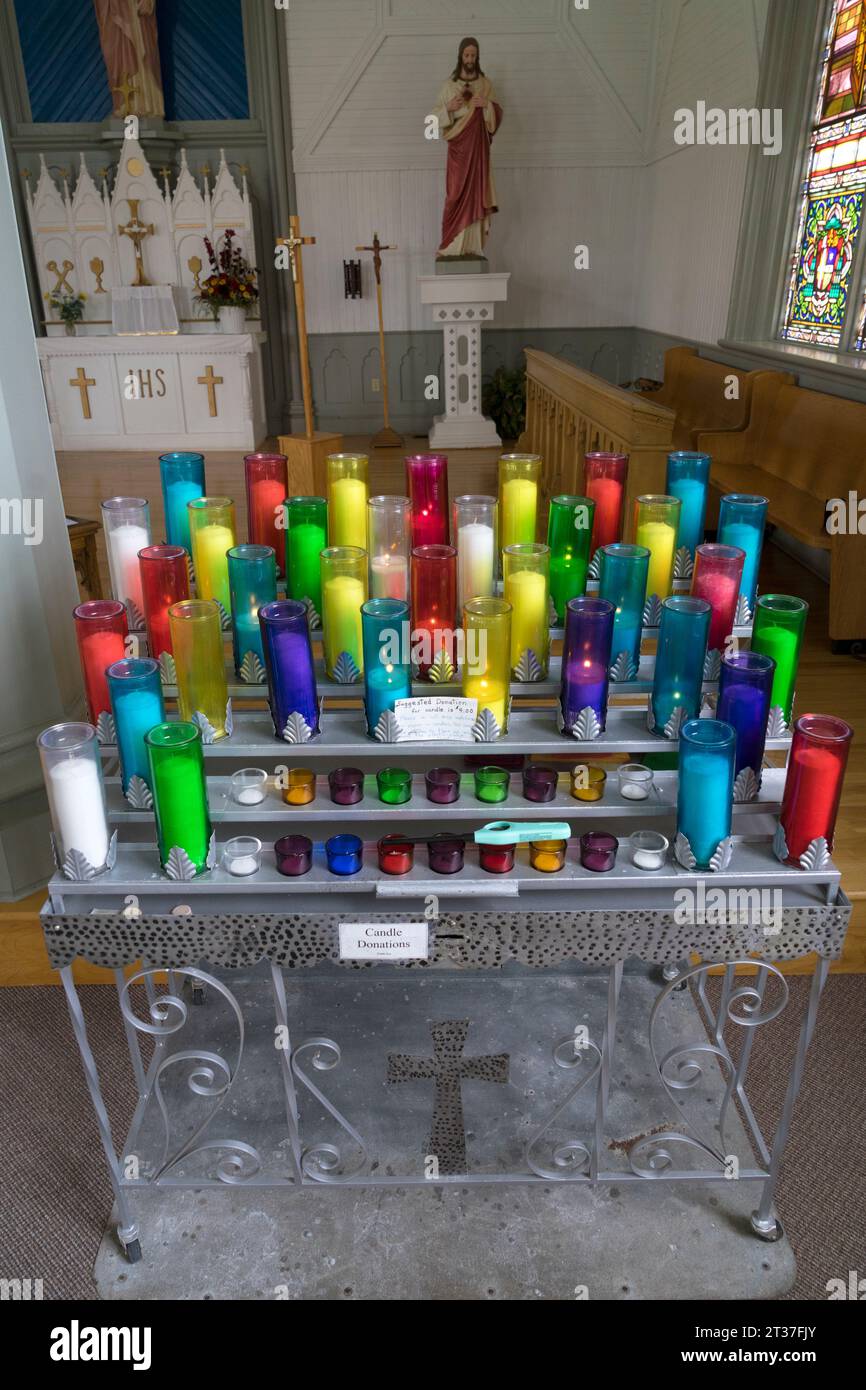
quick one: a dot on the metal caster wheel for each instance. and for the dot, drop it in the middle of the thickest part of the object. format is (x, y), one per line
(197, 992)
(770, 1230)
(132, 1251)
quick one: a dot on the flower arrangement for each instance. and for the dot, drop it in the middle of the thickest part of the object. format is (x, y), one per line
(69, 305)
(232, 281)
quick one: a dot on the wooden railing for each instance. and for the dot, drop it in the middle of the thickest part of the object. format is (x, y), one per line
(570, 412)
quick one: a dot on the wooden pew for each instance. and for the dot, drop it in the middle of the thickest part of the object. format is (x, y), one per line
(698, 391)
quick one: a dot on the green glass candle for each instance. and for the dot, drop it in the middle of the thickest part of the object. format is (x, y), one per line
(306, 538)
(179, 791)
(394, 785)
(491, 783)
(780, 621)
(569, 533)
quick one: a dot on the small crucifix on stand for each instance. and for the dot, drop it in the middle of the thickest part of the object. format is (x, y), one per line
(386, 437)
(137, 230)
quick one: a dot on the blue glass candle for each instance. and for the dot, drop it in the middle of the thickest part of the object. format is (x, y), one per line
(680, 655)
(688, 479)
(289, 663)
(741, 523)
(745, 687)
(252, 583)
(135, 691)
(585, 659)
(345, 854)
(387, 670)
(182, 478)
(705, 789)
(622, 581)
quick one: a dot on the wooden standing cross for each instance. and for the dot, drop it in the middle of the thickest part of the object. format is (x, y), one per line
(294, 242)
(82, 381)
(386, 438)
(137, 230)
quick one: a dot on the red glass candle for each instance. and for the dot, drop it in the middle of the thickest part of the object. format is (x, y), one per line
(164, 581)
(396, 855)
(267, 479)
(101, 631)
(496, 859)
(717, 577)
(813, 785)
(434, 605)
(604, 478)
(427, 486)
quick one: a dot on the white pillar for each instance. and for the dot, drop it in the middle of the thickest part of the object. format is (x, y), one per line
(461, 305)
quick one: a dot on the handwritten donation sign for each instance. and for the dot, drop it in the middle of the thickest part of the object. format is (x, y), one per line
(435, 718)
(383, 940)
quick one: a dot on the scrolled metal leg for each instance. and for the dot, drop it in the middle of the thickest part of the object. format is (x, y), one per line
(614, 984)
(282, 1043)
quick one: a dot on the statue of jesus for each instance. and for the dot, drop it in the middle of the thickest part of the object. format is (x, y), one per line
(469, 117)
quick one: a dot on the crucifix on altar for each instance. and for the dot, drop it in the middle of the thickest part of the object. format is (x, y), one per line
(386, 437)
(137, 230)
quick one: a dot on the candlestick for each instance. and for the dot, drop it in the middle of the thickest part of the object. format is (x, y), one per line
(136, 703)
(487, 626)
(179, 791)
(71, 767)
(267, 482)
(525, 586)
(387, 645)
(519, 476)
(164, 581)
(288, 658)
(126, 523)
(622, 581)
(475, 539)
(741, 523)
(434, 603)
(182, 478)
(705, 787)
(680, 655)
(212, 535)
(252, 583)
(347, 500)
(389, 546)
(688, 478)
(569, 533)
(306, 538)
(813, 785)
(656, 521)
(604, 479)
(586, 660)
(780, 621)
(344, 590)
(716, 578)
(427, 486)
(100, 631)
(197, 643)
(745, 685)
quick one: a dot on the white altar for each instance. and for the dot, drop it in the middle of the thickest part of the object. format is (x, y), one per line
(461, 305)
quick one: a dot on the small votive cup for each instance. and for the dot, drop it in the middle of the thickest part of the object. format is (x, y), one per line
(445, 854)
(394, 785)
(345, 854)
(443, 784)
(548, 856)
(248, 786)
(300, 788)
(347, 785)
(294, 855)
(649, 849)
(588, 783)
(243, 855)
(496, 859)
(491, 784)
(598, 851)
(635, 781)
(539, 783)
(396, 855)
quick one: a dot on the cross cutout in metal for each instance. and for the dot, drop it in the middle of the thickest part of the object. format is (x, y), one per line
(447, 1069)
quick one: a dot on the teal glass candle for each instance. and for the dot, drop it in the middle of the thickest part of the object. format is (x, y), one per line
(705, 790)
(680, 655)
(252, 583)
(387, 645)
(306, 538)
(741, 523)
(688, 478)
(182, 478)
(622, 581)
(135, 691)
(569, 533)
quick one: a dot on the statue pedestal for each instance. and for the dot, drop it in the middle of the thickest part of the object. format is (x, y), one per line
(461, 305)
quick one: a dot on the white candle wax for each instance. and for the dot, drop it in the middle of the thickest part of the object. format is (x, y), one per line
(246, 864)
(124, 543)
(78, 810)
(250, 796)
(475, 554)
(389, 576)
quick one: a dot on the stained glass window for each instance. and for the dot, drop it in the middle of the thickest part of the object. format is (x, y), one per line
(831, 207)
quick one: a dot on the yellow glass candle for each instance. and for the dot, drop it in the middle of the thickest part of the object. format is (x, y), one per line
(212, 536)
(526, 586)
(347, 499)
(197, 644)
(344, 589)
(519, 476)
(656, 521)
(487, 654)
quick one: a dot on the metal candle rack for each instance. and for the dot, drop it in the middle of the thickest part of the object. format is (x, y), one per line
(199, 932)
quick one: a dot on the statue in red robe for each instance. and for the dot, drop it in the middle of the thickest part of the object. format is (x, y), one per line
(469, 117)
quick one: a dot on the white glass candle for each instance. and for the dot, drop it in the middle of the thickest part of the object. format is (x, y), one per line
(388, 546)
(126, 523)
(73, 779)
(475, 539)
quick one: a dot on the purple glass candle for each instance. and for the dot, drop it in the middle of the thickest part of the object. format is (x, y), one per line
(445, 854)
(443, 784)
(289, 663)
(427, 486)
(586, 659)
(598, 850)
(539, 783)
(745, 687)
(346, 784)
(294, 855)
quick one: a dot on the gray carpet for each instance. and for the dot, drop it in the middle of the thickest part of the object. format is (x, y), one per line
(57, 1196)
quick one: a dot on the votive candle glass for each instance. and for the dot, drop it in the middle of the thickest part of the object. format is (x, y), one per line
(72, 769)
(688, 478)
(604, 480)
(745, 687)
(344, 592)
(389, 547)
(569, 534)
(252, 583)
(126, 523)
(586, 660)
(395, 854)
(427, 486)
(813, 785)
(705, 785)
(656, 523)
(299, 786)
(289, 667)
(598, 851)
(267, 482)
(344, 855)
(137, 705)
(197, 644)
(101, 630)
(182, 478)
(716, 578)
(780, 621)
(526, 575)
(742, 518)
(442, 785)
(491, 783)
(434, 605)
(487, 653)
(475, 540)
(179, 789)
(306, 538)
(680, 655)
(164, 581)
(394, 785)
(347, 499)
(445, 854)
(539, 783)
(622, 581)
(212, 536)
(293, 855)
(346, 785)
(519, 479)
(387, 665)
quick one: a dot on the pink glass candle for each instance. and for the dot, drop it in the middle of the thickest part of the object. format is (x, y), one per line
(267, 482)
(813, 785)
(434, 600)
(717, 577)
(427, 486)
(604, 479)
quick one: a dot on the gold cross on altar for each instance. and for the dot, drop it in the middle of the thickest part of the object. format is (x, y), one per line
(211, 382)
(137, 230)
(82, 381)
(294, 242)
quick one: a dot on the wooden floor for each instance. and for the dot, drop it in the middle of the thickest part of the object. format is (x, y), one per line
(827, 683)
